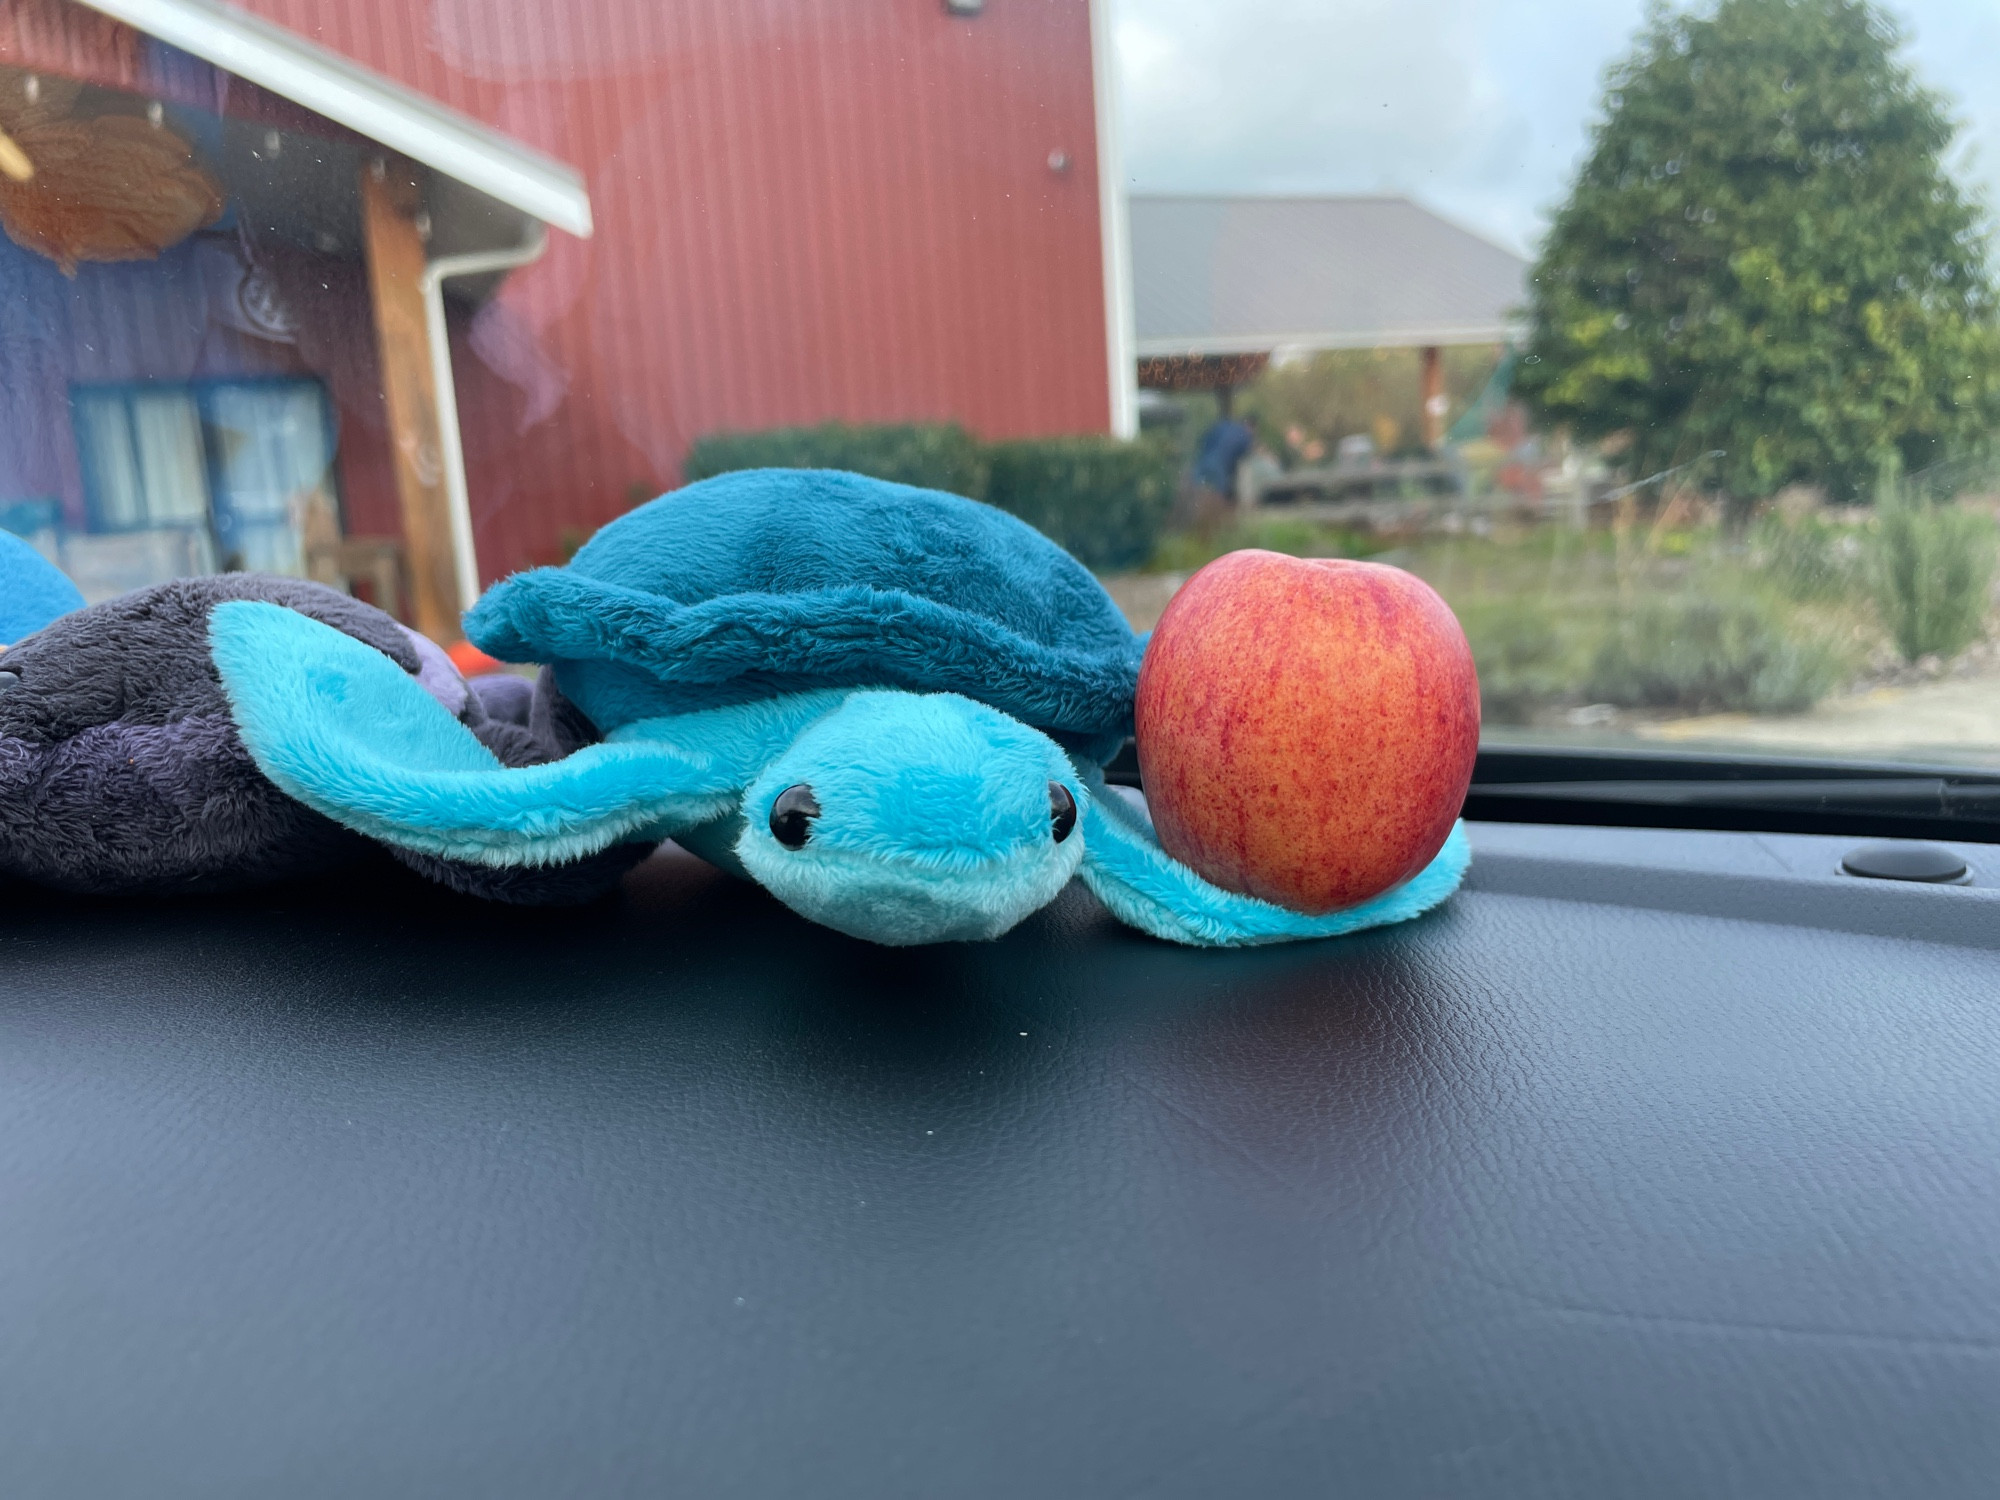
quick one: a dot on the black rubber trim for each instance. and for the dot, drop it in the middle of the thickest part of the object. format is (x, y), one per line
(1749, 794)
(1696, 789)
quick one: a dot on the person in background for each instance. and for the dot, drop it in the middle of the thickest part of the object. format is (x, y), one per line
(1220, 453)
(1208, 493)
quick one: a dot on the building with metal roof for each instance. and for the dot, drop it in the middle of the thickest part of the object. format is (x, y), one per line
(334, 87)
(1264, 275)
(407, 297)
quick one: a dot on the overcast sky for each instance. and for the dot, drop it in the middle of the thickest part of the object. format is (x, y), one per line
(1478, 108)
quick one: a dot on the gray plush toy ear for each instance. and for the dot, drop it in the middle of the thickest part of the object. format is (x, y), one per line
(1146, 887)
(343, 729)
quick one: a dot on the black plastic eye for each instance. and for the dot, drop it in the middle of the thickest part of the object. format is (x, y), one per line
(792, 815)
(1062, 811)
(9, 679)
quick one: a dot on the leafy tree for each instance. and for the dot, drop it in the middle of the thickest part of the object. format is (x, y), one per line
(1764, 254)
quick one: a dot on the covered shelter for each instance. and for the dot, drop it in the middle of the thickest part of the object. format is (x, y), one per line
(227, 257)
(1221, 284)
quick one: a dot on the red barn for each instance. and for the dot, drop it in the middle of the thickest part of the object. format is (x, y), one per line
(416, 295)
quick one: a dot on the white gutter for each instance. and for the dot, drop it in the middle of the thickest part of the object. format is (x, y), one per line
(365, 102)
(464, 556)
(1113, 227)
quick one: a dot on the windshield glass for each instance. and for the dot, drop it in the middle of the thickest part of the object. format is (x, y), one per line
(1660, 339)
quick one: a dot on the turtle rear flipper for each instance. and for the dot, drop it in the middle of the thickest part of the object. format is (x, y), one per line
(1146, 887)
(344, 730)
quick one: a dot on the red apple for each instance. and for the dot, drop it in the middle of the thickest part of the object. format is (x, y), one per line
(1306, 727)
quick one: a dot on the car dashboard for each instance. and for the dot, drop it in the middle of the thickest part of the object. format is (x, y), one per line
(1657, 1162)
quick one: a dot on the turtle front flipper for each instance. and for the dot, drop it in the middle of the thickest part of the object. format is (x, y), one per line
(346, 731)
(1147, 888)
(33, 590)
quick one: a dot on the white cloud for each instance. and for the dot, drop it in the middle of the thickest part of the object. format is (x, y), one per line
(1955, 46)
(1480, 110)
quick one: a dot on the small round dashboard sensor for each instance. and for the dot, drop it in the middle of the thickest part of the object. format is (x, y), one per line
(1907, 859)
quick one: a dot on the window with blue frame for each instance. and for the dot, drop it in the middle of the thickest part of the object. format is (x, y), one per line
(233, 465)
(144, 464)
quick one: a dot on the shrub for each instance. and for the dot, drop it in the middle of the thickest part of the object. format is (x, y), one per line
(935, 455)
(1809, 559)
(1524, 656)
(1711, 653)
(1105, 500)
(1933, 568)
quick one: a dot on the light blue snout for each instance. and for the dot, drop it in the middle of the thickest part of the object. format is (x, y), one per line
(914, 818)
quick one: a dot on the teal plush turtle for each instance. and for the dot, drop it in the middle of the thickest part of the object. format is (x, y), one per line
(888, 706)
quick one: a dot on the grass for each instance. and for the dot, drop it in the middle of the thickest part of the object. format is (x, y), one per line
(1713, 642)
(1683, 622)
(1185, 551)
(1809, 559)
(1688, 622)
(1529, 653)
(1680, 621)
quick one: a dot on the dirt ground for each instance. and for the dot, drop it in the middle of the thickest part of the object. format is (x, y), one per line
(1142, 596)
(1956, 720)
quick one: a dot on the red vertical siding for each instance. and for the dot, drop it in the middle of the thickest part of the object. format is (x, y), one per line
(806, 209)
(68, 39)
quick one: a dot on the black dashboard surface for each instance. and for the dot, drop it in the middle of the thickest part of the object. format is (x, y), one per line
(1653, 1165)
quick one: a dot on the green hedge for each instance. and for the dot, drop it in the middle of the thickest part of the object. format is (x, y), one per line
(1104, 500)
(937, 455)
(1709, 654)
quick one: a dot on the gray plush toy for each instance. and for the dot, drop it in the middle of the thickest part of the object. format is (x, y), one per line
(121, 769)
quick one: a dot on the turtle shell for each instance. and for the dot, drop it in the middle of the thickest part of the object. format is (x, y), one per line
(770, 581)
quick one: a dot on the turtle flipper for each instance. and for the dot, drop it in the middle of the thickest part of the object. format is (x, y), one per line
(345, 730)
(33, 590)
(1147, 888)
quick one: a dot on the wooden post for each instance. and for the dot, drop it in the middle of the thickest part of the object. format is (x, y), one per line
(394, 233)
(1435, 404)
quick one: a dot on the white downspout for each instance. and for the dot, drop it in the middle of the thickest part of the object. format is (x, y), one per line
(465, 560)
(1114, 227)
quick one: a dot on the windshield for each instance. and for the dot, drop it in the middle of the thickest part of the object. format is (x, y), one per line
(1659, 339)
(1666, 347)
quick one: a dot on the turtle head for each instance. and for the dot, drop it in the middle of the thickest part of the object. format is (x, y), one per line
(915, 818)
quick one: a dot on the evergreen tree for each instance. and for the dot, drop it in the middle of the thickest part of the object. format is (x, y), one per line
(1764, 254)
